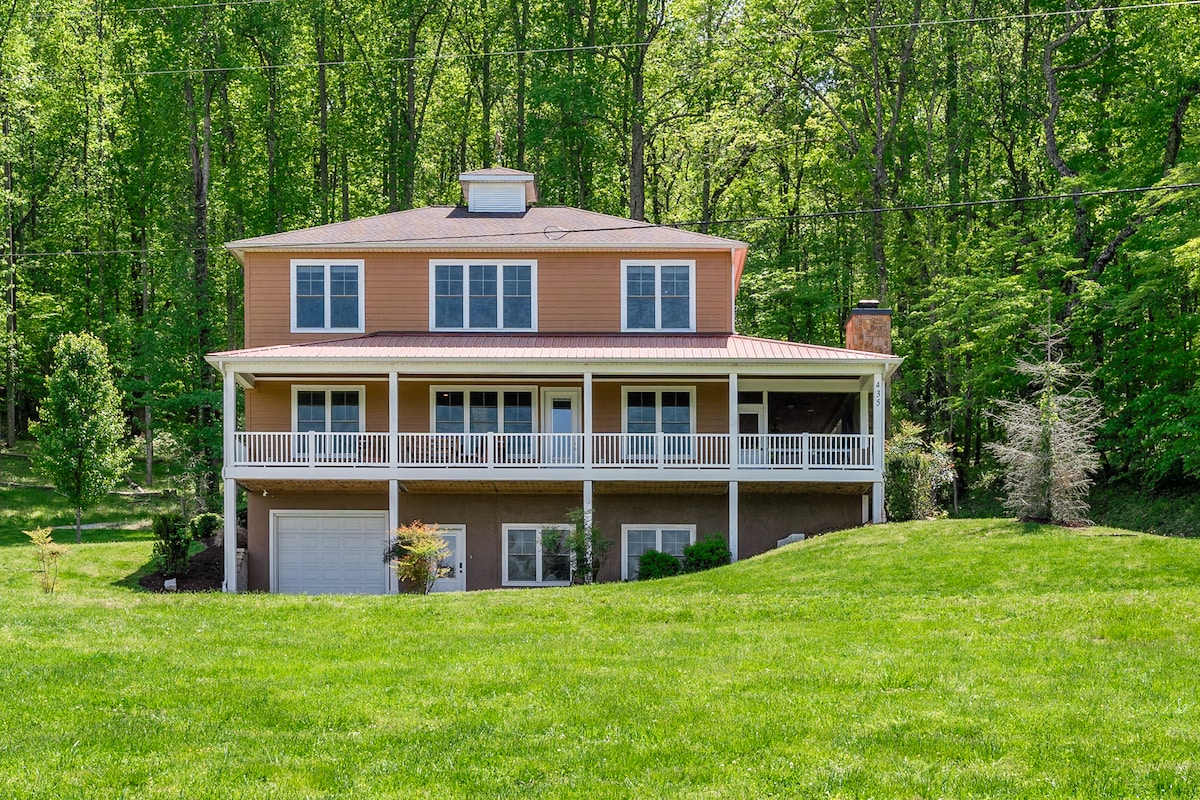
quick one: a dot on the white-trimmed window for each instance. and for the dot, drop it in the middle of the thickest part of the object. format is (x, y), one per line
(637, 539)
(327, 296)
(658, 296)
(647, 411)
(482, 409)
(482, 295)
(534, 555)
(328, 409)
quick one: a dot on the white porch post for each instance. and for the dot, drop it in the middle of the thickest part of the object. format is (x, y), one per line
(877, 417)
(587, 424)
(733, 520)
(393, 447)
(587, 503)
(734, 455)
(228, 424)
(393, 504)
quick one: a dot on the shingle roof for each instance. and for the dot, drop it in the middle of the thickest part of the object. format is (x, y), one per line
(539, 227)
(556, 347)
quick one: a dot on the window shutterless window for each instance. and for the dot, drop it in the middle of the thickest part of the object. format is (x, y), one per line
(327, 296)
(482, 410)
(534, 555)
(492, 295)
(327, 409)
(637, 539)
(658, 296)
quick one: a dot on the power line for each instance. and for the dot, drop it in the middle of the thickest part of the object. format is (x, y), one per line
(556, 231)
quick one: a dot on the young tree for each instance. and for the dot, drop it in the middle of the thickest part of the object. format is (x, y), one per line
(416, 552)
(81, 432)
(1047, 449)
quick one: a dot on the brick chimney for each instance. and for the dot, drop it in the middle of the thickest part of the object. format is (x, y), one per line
(869, 328)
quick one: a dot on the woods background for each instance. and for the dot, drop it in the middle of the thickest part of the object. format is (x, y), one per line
(977, 164)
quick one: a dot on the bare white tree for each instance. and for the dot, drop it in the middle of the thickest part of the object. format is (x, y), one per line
(1048, 450)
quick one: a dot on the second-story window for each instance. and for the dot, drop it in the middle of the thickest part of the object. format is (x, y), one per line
(658, 296)
(327, 296)
(467, 295)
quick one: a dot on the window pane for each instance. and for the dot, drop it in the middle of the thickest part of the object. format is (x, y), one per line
(518, 412)
(484, 413)
(522, 554)
(343, 296)
(556, 561)
(638, 541)
(343, 412)
(676, 412)
(518, 296)
(673, 541)
(639, 297)
(448, 296)
(310, 411)
(676, 297)
(640, 413)
(448, 412)
(310, 297)
(482, 313)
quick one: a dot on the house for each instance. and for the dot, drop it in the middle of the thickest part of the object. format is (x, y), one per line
(489, 367)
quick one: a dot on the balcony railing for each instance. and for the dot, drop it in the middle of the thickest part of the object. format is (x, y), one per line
(771, 451)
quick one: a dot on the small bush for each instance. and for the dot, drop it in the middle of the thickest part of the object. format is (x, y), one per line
(205, 525)
(913, 472)
(48, 553)
(171, 549)
(416, 552)
(709, 553)
(657, 564)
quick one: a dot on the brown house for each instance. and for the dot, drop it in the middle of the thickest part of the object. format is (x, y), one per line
(489, 367)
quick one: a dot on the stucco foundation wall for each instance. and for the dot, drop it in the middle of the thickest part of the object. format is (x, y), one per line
(765, 518)
(709, 513)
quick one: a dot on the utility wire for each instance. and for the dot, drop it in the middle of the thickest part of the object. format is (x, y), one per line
(559, 232)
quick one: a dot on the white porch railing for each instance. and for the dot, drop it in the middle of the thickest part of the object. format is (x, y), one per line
(774, 451)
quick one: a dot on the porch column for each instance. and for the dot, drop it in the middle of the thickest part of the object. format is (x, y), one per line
(733, 520)
(393, 447)
(228, 425)
(734, 460)
(877, 409)
(393, 504)
(587, 503)
(587, 423)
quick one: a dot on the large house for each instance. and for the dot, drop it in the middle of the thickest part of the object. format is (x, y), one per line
(491, 366)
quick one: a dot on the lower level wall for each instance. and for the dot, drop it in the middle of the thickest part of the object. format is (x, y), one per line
(765, 518)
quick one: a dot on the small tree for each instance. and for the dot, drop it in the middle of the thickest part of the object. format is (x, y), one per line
(913, 472)
(80, 431)
(416, 553)
(589, 548)
(48, 554)
(174, 540)
(1047, 450)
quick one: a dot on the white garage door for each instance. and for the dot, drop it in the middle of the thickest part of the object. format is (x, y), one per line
(330, 553)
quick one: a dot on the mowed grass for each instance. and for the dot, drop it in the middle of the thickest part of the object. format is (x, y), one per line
(975, 658)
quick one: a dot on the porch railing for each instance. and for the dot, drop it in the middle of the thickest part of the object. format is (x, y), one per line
(775, 451)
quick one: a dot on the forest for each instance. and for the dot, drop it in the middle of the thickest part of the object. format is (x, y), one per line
(980, 166)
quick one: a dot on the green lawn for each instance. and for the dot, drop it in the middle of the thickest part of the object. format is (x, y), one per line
(974, 658)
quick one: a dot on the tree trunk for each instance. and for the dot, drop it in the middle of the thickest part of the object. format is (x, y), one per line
(200, 157)
(78, 525)
(637, 132)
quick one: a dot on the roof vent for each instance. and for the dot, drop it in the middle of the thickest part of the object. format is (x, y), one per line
(498, 190)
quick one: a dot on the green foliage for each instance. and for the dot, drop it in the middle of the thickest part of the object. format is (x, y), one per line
(205, 525)
(657, 564)
(708, 553)
(588, 547)
(48, 552)
(81, 432)
(172, 542)
(914, 470)
(416, 552)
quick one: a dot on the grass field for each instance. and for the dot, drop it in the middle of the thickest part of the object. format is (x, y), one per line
(975, 658)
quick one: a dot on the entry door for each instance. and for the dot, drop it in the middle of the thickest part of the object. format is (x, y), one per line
(456, 561)
(560, 418)
(752, 440)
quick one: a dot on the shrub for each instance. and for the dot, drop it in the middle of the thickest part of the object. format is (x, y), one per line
(48, 553)
(205, 525)
(171, 549)
(913, 472)
(657, 564)
(709, 553)
(416, 553)
(589, 548)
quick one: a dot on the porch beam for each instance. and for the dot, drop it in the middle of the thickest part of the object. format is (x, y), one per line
(733, 520)
(393, 449)
(587, 421)
(877, 421)
(733, 420)
(228, 426)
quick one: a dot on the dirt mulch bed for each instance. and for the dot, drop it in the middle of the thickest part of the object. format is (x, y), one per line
(206, 571)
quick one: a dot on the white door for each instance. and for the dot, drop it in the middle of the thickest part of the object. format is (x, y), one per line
(456, 562)
(561, 419)
(329, 552)
(752, 440)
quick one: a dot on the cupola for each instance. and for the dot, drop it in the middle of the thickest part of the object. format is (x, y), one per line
(498, 190)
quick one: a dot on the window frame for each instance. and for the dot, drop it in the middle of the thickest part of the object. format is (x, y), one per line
(658, 537)
(540, 527)
(327, 264)
(328, 389)
(658, 297)
(466, 390)
(658, 392)
(499, 263)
